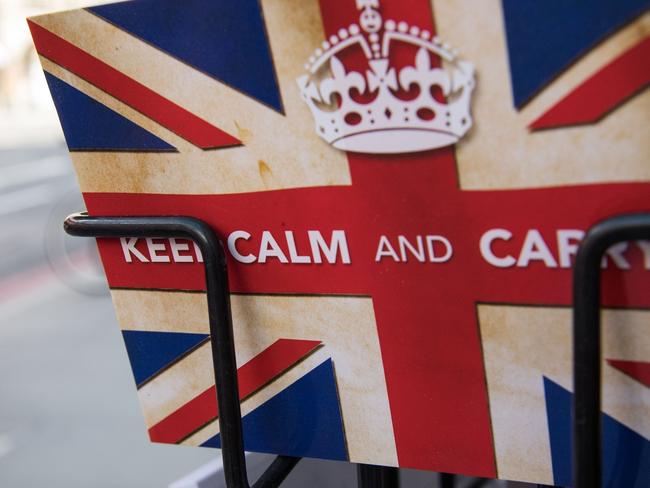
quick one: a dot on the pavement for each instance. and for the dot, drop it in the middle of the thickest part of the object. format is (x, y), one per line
(69, 415)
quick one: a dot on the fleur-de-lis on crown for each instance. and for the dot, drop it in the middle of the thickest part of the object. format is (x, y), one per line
(387, 123)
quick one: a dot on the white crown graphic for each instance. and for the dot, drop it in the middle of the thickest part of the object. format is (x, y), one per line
(363, 113)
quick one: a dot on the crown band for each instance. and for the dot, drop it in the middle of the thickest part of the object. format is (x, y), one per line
(437, 115)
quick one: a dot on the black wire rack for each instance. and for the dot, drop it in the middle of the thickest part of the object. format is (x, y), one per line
(587, 435)
(586, 340)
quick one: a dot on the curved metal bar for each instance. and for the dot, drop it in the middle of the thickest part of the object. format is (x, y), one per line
(216, 280)
(277, 472)
(220, 317)
(586, 341)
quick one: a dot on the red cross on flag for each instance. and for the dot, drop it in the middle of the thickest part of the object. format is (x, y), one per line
(401, 189)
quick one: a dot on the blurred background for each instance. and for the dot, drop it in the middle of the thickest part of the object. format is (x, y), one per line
(69, 415)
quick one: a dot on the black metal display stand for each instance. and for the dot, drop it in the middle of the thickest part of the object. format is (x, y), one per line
(587, 432)
(586, 341)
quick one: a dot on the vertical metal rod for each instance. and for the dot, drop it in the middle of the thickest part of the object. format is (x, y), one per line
(223, 355)
(586, 364)
(586, 341)
(369, 476)
(218, 296)
(277, 472)
(221, 333)
(447, 480)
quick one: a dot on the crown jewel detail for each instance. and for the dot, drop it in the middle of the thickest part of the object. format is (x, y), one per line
(386, 123)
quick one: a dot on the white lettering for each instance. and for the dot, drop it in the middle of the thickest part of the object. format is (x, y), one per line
(128, 249)
(535, 249)
(404, 244)
(645, 249)
(153, 248)
(615, 253)
(176, 248)
(293, 252)
(338, 244)
(448, 249)
(269, 248)
(197, 251)
(486, 248)
(565, 247)
(385, 249)
(232, 246)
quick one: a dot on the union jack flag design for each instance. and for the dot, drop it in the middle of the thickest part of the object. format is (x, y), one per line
(404, 309)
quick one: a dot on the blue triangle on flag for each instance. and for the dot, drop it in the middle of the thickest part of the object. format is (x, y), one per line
(626, 454)
(303, 420)
(545, 37)
(225, 39)
(151, 352)
(88, 125)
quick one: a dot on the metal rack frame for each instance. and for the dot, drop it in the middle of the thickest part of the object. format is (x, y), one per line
(587, 448)
(587, 431)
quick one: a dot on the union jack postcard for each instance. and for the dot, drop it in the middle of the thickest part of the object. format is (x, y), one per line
(401, 187)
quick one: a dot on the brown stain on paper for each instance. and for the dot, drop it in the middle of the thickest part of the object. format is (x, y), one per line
(243, 134)
(265, 173)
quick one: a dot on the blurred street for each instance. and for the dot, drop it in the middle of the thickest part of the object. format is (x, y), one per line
(34, 180)
(69, 414)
